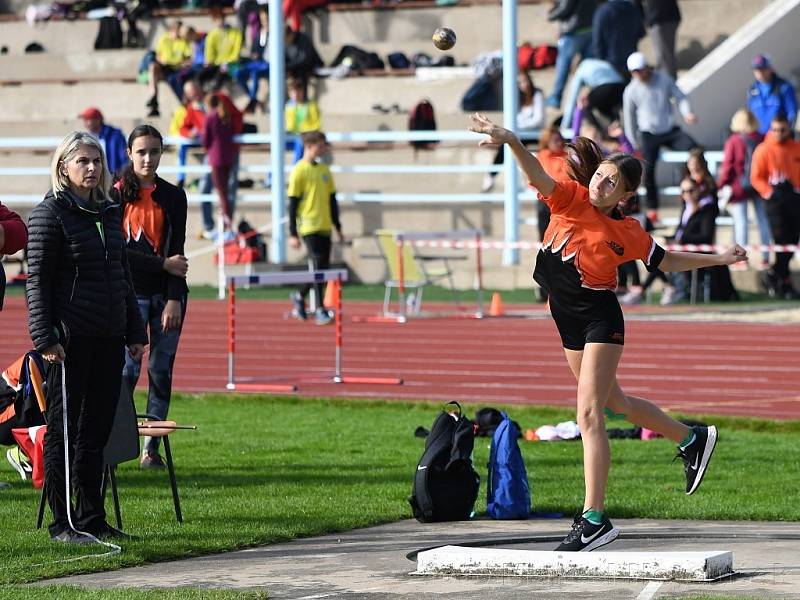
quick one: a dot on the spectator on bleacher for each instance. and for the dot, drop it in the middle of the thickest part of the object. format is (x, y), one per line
(82, 312)
(775, 175)
(223, 45)
(112, 138)
(529, 117)
(188, 121)
(617, 27)
(256, 67)
(734, 178)
(313, 214)
(649, 119)
(770, 95)
(574, 37)
(697, 169)
(217, 138)
(595, 85)
(301, 114)
(662, 18)
(195, 65)
(301, 57)
(697, 225)
(173, 53)
(13, 236)
(293, 11)
(154, 227)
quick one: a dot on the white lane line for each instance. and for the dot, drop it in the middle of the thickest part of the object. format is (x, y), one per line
(649, 591)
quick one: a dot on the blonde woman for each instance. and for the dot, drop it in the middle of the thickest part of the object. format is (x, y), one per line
(82, 314)
(734, 173)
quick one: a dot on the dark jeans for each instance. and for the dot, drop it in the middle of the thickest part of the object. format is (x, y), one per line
(319, 252)
(250, 73)
(161, 358)
(783, 212)
(607, 100)
(93, 379)
(675, 139)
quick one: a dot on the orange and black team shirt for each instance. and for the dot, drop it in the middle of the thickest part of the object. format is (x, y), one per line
(583, 247)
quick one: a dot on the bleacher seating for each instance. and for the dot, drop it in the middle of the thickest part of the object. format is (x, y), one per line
(46, 91)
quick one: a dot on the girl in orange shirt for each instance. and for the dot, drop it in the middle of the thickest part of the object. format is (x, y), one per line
(585, 242)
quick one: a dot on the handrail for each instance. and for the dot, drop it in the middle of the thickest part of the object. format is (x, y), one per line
(26, 200)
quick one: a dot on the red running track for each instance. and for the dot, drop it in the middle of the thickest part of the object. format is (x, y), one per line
(694, 367)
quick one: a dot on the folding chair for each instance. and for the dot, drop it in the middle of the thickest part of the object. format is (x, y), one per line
(417, 271)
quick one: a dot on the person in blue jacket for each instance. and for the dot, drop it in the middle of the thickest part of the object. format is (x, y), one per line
(114, 142)
(770, 95)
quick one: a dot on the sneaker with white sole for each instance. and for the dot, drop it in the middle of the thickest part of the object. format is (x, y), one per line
(586, 536)
(19, 462)
(696, 456)
(631, 298)
(323, 316)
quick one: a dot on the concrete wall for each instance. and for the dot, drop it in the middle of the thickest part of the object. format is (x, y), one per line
(717, 85)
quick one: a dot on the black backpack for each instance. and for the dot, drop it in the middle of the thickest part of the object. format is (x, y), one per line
(109, 34)
(422, 118)
(445, 483)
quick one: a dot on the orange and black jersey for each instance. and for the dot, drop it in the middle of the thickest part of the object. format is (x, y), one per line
(583, 247)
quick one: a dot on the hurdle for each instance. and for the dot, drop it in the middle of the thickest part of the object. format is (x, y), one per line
(337, 277)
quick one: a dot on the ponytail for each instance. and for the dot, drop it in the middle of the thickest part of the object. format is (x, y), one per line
(584, 156)
(129, 185)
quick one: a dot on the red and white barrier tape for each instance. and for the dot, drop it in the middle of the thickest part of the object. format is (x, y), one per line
(501, 245)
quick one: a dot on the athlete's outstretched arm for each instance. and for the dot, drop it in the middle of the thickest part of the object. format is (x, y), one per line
(687, 261)
(529, 164)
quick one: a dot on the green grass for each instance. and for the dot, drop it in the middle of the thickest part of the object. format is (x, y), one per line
(263, 469)
(374, 293)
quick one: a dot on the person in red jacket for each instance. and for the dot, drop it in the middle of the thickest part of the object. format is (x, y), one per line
(775, 175)
(13, 237)
(734, 180)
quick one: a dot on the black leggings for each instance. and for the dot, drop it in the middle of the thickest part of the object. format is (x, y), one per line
(319, 251)
(94, 377)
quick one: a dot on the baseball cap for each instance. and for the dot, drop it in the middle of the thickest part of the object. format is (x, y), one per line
(761, 61)
(637, 62)
(91, 113)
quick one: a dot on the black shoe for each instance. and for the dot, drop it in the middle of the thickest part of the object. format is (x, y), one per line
(770, 282)
(68, 536)
(586, 536)
(153, 112)
(696, 456)
(299, 310)
(107, 532)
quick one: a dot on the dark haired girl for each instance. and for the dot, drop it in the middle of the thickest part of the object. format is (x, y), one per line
(587, 239)
(154, 228)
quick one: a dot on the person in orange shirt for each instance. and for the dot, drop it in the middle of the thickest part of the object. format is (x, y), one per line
(553, 156)
(587, 239)
(775, 175)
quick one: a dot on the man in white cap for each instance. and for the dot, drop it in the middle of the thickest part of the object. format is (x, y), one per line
(650, 120)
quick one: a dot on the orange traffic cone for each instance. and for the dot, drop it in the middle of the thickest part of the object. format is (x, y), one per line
(496, 307)
(330, 295)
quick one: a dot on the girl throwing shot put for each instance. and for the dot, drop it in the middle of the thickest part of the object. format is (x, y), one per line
(588, 238)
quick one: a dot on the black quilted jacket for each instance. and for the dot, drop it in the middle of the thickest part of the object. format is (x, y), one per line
(76, 277)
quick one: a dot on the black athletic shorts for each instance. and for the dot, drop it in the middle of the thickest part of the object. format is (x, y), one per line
(605, 326)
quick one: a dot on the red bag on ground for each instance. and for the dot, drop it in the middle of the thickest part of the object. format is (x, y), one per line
(31, 442)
